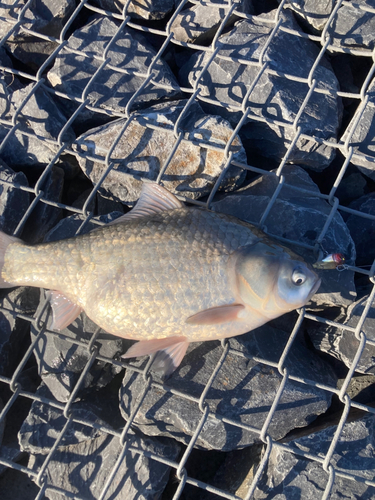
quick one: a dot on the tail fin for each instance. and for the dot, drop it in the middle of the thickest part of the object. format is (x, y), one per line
(5, 241)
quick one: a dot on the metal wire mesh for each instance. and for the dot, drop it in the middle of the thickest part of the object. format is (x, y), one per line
(61, 145)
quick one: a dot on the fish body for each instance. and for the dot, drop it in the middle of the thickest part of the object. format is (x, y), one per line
(165, 275)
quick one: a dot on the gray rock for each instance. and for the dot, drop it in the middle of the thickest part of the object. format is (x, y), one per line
(47, 17)
(61, 361)
(299, 216)
(86, 456)
(14, 330)
(363, 230)
(352, 26)
(199, 23)
(142, 9)
(142, 151)
(13, 201)
(274, 97)
(111, 89)
(291, 477)
(39, 117)
(343, 344)
(362, 138)
(242, 391)
(314, 12)
(44, 423)
(45, 216)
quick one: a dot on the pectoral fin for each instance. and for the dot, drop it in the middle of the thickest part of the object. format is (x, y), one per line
(170, 352)
(216, 315)
(64, 311)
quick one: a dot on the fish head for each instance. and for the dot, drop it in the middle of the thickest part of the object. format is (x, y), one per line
(272, 280)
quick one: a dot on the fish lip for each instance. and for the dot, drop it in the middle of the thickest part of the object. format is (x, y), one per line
(315, 288)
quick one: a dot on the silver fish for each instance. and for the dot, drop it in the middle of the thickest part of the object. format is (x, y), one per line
(164, 275)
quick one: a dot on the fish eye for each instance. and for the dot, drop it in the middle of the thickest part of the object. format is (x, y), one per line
(298, 277)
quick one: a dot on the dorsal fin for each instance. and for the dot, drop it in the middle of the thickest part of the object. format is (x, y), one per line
(153, 199)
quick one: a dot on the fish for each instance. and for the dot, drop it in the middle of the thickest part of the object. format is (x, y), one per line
(164, 274)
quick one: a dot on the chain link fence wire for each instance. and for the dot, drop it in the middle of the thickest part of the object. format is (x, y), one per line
(18, 25)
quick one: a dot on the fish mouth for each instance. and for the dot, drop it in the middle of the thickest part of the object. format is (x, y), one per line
(314, 288)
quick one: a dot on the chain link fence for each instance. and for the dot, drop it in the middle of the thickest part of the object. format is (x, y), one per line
(16, 22)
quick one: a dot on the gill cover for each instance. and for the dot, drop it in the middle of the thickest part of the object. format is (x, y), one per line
(271, 279)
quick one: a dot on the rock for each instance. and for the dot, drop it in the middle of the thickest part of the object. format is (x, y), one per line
(243, 391)
(45, 216)
(111, 90)
(47, 17)
(86, 456)
(363, 230)
(13, 329)
(290, 476)
(342, 344)
(199, 23)
(142, 9)
(61, 361)
(351, 188)
(44, 423)
(8, 453)
(273, 97)
(2, 427)
(353, 27)
(13, 201)
(142, 151)
(39, 117)
(314, 12)
(300, 217)
(361, 140)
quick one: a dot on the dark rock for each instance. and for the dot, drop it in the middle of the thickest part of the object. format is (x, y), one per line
(273, 97)
(363, 230)
(350, 188)
(45, 216)
(244, 391)
(112, 89)
(13, 201)
(8, 453)
(199, 23)
(39, 117)
(343, 344)
(142, 151)
(362, 138)
(47, 17)
(142, 9)
(61, 361)
(86, 456)
(2, 427)
(14, 330)
(106, 206)
(290, 476)
(298, 216)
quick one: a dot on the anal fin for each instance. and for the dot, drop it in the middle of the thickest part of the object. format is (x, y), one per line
(64, 311)
(170, 352)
